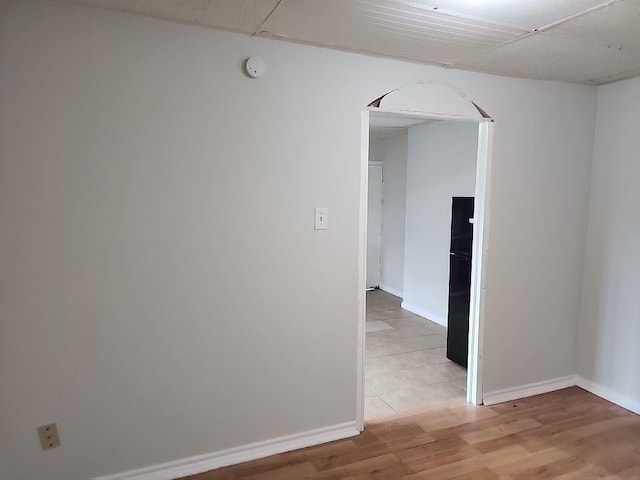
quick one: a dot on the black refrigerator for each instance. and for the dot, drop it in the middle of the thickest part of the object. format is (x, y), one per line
(460, 279)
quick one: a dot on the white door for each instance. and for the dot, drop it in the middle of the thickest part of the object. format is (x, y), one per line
(374, 226)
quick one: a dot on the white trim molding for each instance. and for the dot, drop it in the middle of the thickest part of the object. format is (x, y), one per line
(529, 390)
(481, 222)
(390, 290)
(424, 314)
(362, 265)
(232, 456)
(610, 394)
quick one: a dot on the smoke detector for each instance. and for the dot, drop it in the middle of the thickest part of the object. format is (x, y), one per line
(255, 67)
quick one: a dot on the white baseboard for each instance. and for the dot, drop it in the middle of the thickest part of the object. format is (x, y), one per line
(233, 456)
(523, 391)
(610, 394)
(390, 290)
(424, 314)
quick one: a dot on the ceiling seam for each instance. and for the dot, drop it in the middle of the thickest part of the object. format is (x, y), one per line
(354, 50)
(261, 26)
(544, 28)
(576, 15)
(552, 25)
(616, 77)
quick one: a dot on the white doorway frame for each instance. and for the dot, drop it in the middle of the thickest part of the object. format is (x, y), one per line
(480, 246)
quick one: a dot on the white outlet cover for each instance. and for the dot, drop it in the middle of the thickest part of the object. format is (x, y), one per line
(255, 67)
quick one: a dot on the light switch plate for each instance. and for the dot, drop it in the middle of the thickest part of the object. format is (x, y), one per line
(322, 218)
(48, 435)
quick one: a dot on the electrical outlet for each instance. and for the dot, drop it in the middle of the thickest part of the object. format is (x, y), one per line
(49, 437)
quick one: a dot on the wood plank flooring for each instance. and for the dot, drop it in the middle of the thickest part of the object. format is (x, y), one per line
(569, 434)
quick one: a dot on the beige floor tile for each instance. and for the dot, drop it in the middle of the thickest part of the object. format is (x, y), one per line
(405, 362)
(376, 407)
(460, 382)
(417, 397)
(384, 344)
(450, 370)
(430, 341)
(430, 357)
(412, 321)
(377, 326)
(391, 363)
(377, 383)
(412, 330)
(375, 314)
(421, 376)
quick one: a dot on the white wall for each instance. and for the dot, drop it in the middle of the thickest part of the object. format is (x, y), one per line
(159, 269)
(374, 226)
(441, 164)
(393, 152)
(609, 334)
(375, 148)
(4, 475)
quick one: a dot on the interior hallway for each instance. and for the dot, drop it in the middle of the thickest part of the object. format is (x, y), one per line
(405, 363)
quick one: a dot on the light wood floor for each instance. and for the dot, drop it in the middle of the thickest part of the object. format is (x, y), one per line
(569, 434)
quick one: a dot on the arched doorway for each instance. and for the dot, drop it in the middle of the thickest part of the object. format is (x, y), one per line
(433, 101)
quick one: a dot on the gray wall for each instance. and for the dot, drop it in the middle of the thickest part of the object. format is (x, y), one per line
(441, 164)
(158, 264)
(393, 152)
(4, 473)
(609, 338)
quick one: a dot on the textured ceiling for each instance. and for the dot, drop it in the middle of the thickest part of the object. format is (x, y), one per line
(582, 41)
(244, 16)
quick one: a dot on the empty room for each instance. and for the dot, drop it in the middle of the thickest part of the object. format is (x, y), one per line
(301, 239)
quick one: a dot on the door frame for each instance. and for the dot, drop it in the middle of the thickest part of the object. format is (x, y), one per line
(480, 248)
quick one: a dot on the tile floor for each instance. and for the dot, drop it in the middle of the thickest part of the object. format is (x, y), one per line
(405, 362)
